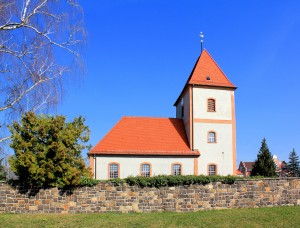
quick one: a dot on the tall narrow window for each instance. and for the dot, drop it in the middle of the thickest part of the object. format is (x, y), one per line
(176, 169)
(212, 170)
(182, 111)
(145, 170)
(113, 170)
(212, 137)
(211, 105)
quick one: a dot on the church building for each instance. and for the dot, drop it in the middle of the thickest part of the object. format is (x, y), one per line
(200, 140)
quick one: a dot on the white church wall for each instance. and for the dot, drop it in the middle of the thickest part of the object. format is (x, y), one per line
(130, 165)
(219, 153)
(186, 116)
(178, 110)
(220, 121)
(223, 103)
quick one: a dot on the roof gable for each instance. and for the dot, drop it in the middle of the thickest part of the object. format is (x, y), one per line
(206, 72)
(145, 136)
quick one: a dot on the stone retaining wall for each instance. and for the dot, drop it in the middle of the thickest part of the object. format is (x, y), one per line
(124, 198)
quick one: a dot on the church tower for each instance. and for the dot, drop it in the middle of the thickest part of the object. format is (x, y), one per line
(206, 105)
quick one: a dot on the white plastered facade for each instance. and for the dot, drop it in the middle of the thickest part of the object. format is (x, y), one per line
(130, 165)
(222, 122)
(185, 101)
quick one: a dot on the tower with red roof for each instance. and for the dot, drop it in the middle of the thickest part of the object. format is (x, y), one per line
(206, 105)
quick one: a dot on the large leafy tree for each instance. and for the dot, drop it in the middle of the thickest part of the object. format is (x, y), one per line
(48, 150)
(293, 164)
(264, 164)
(40, 41)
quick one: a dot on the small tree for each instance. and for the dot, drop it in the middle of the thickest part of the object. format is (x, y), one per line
(48, 150)
(2, 171)
(293, 164)
(264, 164)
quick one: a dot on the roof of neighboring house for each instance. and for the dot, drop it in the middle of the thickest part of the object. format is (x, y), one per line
(206, 72)
(238, 172)
(146, 136)
(249, 166)
(283, 164)
(277, 162)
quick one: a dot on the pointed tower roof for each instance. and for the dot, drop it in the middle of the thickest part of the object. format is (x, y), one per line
(206, 72)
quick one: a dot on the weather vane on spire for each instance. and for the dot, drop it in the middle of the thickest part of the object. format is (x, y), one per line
(201, 40)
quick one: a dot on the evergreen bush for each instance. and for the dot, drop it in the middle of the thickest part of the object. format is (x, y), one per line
(264, 164)
(293, 165)
(48, 151)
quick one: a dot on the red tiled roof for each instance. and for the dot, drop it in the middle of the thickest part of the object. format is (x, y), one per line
(146, 136)
(205, 68)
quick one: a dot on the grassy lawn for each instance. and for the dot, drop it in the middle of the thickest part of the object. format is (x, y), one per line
(254, 217)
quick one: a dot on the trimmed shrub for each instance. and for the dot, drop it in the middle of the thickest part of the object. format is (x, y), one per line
(229, 179)
(88, 181)
(172, 180)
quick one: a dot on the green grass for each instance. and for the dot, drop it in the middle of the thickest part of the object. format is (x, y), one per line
(253, 217)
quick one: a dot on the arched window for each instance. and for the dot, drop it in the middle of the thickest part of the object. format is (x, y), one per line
(146, 169)
(211, 105)
(212, 169)
(176, 169)
(113, 170)
(212, 137)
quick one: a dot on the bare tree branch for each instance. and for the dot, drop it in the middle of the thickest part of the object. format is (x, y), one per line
(34, 34)
(4, 139)
(63, 46)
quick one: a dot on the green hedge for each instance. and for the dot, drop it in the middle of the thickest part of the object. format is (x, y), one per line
(168, 180)
(164, 180)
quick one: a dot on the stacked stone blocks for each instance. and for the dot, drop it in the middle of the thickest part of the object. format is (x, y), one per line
(105, 197)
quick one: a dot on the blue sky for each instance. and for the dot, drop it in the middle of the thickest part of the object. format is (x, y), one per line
(139, 54)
